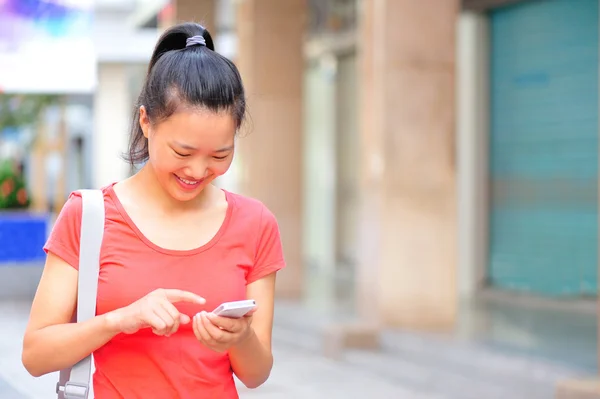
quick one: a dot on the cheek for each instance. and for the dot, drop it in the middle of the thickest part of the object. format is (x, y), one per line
(170, 165)
(161, 159)
(219, 168)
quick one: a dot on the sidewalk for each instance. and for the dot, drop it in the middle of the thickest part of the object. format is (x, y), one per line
(430, 365)
(411, 366)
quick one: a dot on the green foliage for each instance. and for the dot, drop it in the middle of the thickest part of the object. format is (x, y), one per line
(13, 193)
(19, 110)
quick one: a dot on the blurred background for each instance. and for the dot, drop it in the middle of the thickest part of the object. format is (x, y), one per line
(433, 165)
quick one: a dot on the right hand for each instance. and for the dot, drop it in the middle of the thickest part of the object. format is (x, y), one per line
(155, 311)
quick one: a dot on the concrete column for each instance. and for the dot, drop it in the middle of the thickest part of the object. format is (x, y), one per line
(200, 11)
(407, 260)
(270, 58)
(472, 141)
(38, 177)
(112, 115)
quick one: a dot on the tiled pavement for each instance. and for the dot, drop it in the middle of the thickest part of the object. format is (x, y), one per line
(411, 366)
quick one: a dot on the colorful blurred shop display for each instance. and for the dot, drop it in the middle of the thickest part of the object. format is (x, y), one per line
(24, 210)
(22, 233)
(46, 46)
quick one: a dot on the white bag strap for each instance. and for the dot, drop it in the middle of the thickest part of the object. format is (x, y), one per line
(74, 382)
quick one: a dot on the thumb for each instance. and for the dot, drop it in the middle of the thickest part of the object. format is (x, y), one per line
(250, 313)
(184, 319)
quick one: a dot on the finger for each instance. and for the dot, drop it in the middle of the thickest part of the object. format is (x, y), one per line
(183, 318)
(226, 323)
(195, 328)
(174, 313)
(155, 322)
(168, 321)
(217, 334)
(174, 295)
(199, 330)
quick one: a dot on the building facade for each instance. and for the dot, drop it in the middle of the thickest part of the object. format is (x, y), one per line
(413, 168)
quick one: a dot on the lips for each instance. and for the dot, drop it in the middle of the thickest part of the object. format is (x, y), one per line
(188, 183)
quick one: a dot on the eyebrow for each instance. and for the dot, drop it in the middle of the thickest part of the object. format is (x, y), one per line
(225, 149)
(191, 148)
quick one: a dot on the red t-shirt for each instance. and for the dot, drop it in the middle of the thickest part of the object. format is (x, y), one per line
(246, 248)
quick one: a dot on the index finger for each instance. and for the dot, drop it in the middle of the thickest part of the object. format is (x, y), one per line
(174, 295)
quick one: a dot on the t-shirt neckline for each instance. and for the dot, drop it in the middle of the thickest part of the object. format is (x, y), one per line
(174, 252)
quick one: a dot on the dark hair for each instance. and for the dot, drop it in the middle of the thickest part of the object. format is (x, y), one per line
(194, 76)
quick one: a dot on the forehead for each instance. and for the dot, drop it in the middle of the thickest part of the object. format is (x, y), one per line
(199, 127)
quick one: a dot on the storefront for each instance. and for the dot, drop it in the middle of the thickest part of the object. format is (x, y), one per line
(540, 193)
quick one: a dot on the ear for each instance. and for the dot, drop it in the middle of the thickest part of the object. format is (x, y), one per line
(144, 121)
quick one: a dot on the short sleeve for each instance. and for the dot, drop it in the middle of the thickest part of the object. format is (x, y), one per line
(63, 240)
(269, 251)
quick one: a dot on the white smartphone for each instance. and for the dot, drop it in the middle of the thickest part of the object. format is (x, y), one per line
(236, 309)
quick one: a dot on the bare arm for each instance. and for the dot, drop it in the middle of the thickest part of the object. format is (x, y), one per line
(51, 342)
(252, 359)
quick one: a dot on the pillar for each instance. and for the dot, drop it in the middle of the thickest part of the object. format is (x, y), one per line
(60, 150)
(200, 11)
(270, 42)
(38, 177)
(112, 115)
(407, 263)
(472, 143)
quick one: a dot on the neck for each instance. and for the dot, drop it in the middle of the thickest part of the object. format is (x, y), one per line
(145, 181)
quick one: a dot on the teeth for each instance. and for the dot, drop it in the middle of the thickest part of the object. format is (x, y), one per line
(190, 182)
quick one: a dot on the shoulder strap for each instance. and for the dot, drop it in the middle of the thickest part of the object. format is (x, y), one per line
(74, 383)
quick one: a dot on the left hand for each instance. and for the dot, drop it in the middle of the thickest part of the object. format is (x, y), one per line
(221, 333)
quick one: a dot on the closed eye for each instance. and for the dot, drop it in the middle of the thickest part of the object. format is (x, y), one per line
(221, 158)
(181, 155)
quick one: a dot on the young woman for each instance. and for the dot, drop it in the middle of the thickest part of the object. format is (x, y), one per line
(175, 247)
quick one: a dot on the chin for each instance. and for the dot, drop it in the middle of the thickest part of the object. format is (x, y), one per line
(182, 193)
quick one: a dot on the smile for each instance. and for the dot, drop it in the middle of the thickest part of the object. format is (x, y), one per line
(189, 183)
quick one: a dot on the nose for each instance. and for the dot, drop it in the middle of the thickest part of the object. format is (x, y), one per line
(196, 170)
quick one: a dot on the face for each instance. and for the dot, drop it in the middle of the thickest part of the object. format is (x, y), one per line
(190, 149)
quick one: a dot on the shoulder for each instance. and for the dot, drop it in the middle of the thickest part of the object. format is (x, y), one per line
(261, 233)
(63, 239)
(251, 208)
(252, 217)
(245, 202)
(73, 205)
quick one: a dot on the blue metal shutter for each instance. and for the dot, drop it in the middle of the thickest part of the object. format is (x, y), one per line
(544, 147)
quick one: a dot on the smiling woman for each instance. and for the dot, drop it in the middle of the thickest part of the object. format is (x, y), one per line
(175, 247)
